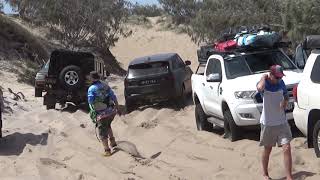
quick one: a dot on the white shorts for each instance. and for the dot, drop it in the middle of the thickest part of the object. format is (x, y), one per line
(272, 135)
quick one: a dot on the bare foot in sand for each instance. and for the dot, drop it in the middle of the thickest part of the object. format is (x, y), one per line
(267, 178)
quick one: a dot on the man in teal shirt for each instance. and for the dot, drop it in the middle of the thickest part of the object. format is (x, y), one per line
(103, 108)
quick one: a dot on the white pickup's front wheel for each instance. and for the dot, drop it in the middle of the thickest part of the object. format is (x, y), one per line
(231, 127)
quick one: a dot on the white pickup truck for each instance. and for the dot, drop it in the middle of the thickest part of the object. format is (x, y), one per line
(225, 93)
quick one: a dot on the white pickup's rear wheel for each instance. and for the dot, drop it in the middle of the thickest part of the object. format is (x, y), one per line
(316, 138)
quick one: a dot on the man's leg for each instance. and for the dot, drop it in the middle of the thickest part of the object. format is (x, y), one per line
(265, 160)
(103, 134)
(111, 138)
(287, 160)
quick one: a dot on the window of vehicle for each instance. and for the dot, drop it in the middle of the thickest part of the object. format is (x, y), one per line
(210, 67)
(256, 63)
(201, 69)
(180, 62)
(300, 56)
(214, 66)
(147, 69)
(175, 63)
(46, 66)
(315, 74)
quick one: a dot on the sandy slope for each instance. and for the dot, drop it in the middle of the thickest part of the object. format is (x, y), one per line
(51, 145)
(148, 41)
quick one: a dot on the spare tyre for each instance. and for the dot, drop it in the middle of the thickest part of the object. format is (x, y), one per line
(71, 77)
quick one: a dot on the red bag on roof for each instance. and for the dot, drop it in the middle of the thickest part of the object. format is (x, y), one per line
(226, 45)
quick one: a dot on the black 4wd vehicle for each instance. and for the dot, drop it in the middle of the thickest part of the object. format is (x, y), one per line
(65, 77)
(157, 78)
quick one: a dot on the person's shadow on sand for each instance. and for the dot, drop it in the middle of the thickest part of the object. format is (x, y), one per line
(15, 143)
(299, 175)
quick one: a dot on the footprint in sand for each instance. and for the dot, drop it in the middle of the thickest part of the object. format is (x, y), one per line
(51, 162)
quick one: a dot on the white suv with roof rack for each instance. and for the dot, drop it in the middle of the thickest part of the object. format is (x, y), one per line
(225, 93)
(307, 107)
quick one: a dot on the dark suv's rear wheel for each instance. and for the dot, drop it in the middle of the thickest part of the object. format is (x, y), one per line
(316, 138)
(130, 106)
(71, 77)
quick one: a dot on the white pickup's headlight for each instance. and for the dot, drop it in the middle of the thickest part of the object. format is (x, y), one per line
(244, 94)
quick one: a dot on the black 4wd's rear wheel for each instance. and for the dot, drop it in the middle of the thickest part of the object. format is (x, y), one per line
(37, 92)
(201, 119)
(71, 77)
(231, 130)
(316, 138)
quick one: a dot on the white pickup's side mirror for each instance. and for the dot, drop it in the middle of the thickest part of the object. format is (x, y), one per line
(216, 77)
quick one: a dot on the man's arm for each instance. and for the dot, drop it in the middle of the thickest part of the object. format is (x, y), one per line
(262, 83)
(115, 100)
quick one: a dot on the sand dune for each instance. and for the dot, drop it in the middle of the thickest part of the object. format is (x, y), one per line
(51, 145)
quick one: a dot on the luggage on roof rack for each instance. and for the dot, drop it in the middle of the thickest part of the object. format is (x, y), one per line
(261, 39)
(224, 46)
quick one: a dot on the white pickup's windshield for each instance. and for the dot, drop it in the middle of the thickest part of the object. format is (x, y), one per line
(256, 63)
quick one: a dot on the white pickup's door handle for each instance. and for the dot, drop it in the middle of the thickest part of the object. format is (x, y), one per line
(211, 87)
(203, 84)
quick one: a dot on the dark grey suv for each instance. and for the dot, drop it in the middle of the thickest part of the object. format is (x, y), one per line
(157, 78)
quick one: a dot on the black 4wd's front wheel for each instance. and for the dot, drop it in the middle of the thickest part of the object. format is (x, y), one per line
(51, 106)
(316, 138)
(71, 77)
(231, 130)
(201, 119)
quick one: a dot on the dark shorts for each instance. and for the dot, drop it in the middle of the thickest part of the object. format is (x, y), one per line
(103, 127)
(272, 135)
(104, 120)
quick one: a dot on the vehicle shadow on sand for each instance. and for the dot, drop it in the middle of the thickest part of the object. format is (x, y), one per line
(71, 108)
(176, 106)
(14, 144)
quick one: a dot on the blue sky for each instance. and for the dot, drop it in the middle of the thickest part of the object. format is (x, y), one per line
(6, 8)
(145, 1)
